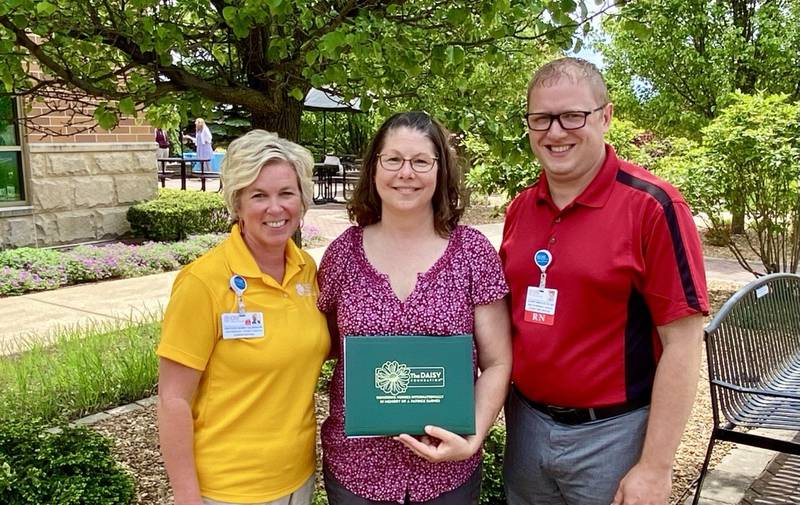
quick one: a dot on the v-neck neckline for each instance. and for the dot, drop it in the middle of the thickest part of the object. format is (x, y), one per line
(437, 265)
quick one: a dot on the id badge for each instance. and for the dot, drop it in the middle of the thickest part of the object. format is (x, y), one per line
(242, 325)
(540, 305)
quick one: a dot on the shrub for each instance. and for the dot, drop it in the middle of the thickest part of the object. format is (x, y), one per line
(325, 376)
(175, 214)
(68, 466)
(751, 152)
(492, 492)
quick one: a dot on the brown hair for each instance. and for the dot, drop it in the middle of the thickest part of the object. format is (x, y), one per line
(574, 70)
(365, 206)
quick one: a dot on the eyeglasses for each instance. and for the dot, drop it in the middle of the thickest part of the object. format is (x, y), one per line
(570, 120)
(419, 164)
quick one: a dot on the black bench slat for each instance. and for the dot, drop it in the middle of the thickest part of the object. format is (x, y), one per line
(753, 351)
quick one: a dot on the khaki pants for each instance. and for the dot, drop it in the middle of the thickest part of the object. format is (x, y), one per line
(300, 497)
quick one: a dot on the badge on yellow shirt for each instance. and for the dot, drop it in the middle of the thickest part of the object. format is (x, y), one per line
(242, 325)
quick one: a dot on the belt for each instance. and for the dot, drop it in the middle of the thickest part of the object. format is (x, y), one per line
(569, 415)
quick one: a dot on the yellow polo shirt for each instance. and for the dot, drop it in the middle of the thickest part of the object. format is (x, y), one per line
(254, 423)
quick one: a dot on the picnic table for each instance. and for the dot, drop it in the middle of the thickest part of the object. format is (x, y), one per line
(167, 170)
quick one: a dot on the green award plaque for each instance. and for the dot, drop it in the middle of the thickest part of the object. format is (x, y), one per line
(399, 384)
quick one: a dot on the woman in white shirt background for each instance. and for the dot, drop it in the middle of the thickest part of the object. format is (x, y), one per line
(202, 140)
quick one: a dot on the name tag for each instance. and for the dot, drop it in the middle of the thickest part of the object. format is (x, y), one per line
(242, 325)
(540, 305)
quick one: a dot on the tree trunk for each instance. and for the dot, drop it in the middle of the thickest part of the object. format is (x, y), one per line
(737, 222)
(285, 122)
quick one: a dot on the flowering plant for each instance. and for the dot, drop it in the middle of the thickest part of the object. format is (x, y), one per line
(28, 269)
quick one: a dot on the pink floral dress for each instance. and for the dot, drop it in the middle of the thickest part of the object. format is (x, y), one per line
(442, 303)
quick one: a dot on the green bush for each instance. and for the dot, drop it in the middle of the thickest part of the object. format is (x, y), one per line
(175, 214)
(325, 376)
(492, 492)
(67, 466)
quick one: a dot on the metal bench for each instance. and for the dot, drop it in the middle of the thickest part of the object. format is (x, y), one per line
(753, 350)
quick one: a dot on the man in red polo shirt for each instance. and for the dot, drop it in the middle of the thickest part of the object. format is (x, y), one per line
(607, 300)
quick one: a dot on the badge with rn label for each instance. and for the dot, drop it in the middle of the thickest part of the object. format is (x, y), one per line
(540, 302)
(540, 305)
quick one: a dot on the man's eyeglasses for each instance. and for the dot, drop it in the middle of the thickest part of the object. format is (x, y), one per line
(419, 164)
(570, 120)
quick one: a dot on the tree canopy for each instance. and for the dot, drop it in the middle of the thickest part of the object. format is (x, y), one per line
(259, 56)
(671, 62)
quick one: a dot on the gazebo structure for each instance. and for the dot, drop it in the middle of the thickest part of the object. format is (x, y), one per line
(320, 100)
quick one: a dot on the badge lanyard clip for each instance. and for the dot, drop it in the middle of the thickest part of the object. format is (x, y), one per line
(542, 258)
(238, 285)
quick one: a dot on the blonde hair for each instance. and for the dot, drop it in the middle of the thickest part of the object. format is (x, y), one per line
(248, 154)
(573, 70)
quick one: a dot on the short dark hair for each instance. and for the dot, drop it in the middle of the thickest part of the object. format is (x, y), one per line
(365, 205)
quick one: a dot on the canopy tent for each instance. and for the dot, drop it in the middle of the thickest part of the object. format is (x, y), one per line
(320, 100)
(323, 100)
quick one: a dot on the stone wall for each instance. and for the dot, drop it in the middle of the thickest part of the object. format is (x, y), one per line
(79, 192)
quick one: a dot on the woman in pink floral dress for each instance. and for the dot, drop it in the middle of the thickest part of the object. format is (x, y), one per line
(409, 268)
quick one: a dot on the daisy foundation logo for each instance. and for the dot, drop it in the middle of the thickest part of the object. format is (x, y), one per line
(394, 378)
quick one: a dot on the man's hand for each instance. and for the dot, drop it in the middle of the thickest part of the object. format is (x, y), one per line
(441, 445)
(644, 485)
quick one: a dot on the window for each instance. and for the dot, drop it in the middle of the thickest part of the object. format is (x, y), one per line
(11, 175)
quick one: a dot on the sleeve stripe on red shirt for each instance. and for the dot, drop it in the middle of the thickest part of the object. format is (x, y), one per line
(661, 196)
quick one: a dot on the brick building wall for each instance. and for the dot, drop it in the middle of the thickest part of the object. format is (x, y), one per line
(78, 184)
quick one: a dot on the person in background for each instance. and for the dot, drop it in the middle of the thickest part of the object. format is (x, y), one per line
(608, 294)
(202, 141)
(242, 343)
(408, 268)
(163, 144)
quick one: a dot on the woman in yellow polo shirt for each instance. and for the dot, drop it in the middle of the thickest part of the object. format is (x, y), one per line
(242, 343)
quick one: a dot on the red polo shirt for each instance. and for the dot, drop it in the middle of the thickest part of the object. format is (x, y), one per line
(626, 258)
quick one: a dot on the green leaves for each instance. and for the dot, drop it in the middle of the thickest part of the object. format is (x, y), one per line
(331, 42)
(67, 465)
(45, 8)
(672, 61)
(749, 161)
(127, 107)
(251, 55)
(105, 118)
(457, 15)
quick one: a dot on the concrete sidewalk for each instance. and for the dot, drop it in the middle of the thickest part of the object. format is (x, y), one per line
(28, 317)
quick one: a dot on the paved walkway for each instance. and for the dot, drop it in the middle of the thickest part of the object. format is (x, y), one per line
(34, 316)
